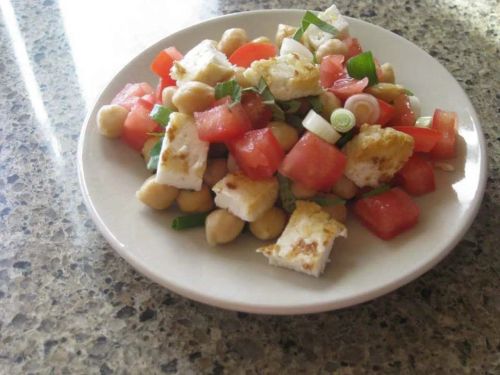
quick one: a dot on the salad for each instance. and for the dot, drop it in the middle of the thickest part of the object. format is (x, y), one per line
(282, 138)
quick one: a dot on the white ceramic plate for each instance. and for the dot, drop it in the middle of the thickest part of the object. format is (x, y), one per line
(236, 277)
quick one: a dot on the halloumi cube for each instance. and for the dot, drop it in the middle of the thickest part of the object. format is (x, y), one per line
(376, 154)
(314, 36)
(203, 63)
(246, 198)
(288, 76)
(183, 156)
(307, 240)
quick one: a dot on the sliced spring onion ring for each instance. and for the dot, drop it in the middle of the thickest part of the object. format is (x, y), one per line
(345, 138)
(361, 66)
(415, 105)
(365, 108)
(424, 122)
(160, 114)
(342, 120)
(319, 126)
(154, 155)
(378, 190)
(290, 45)
(189, 221)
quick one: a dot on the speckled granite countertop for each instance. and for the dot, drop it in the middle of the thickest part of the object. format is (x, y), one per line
(69, 304)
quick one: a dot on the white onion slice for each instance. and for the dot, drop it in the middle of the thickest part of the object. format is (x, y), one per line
(290, 45)
(319, 126)
(365, 107)
(415, 105)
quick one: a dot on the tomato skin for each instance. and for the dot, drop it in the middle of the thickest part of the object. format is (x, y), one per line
(258, 153)
(353, 47)
(387, 112)
(425, 138)
(331, 69)
(137, 125)
(130, 94)
(417, 176)
(387, 214)
(314, 163)
(404, 114)
(163, 62)
(346, 87)
(222, 123)
(446, 124)
(258, 113)
(250, 52)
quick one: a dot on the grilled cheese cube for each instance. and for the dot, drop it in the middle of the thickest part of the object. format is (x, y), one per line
(246, 198)
(183, 156)
(288, 76)
(314, 36)
(376, 154)
(307, 240)
(204, 63)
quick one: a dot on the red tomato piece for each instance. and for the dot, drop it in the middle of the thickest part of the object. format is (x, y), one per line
(164, 61)
(162, 83)
(258, 153)
(331, 69)
(446, 124)
(138, 124)
(346, 87)
(353, 47)
(387, 214)
(222, 123)
(417, 176)
(129, 95)
(248, 53)
(258, 113)
(225, 100)
(425, 139)
(387, 112)
(314, 163)
(404, 114)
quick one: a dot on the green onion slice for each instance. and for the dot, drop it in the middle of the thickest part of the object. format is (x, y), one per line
(189, 221)
(154, 155)
(328, 201)
(361, 66)
(345, 138)
(342, 120)
(160, 114)
(286, 196)
(378, 190)
(310, 18)
(424, 122)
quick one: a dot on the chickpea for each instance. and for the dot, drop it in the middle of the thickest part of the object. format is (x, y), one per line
(269, 225)
(329, 102)
(285, 134)
(216, 170)
(232, 166)
(155, 195)
(284, 31)
(240, 77)
(337, 212)
(345, 188)
(148, 146)
(193, 97)
(386, 91)
(110, 120)
(331, 47)
(262, 39)
(195, 201)
(302, 192)
(222, 227)
(167, 95)
(387, 73)
(231, 40)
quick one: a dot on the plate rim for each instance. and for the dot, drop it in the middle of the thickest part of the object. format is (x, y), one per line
(295, 309)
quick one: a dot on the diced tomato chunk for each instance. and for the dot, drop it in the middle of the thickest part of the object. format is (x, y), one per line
(417, 176)
(387, 112)
(314, 163)
(129, 95)
(331, 69)
(163, 62)
(248, 53)
(258, 113)
(353, 47)
(137, 125)
(222, 123)
(162, 83)
(346, 87)
(258, 153)
(425, 138)
(225, 100)
(148, 101)
(404, 114)
(387, 214)
(446, 124)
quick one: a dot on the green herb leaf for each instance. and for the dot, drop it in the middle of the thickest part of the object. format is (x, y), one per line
(328, 201)
(290, 106)
(361, 66)
(295, 121)
(315, 103)
(378, 190)
(310, 18)
(161, 114)
(286, 196)
(345, 138)
(189, 221)
(154, 155)
(229, 88)
(267, 98)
